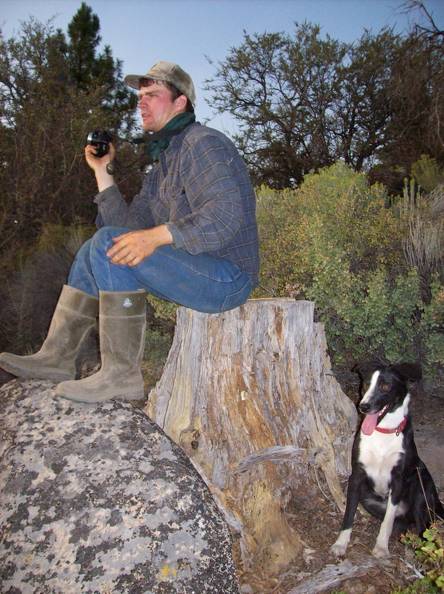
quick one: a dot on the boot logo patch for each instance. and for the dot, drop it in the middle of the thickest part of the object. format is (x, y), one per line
(127, 303)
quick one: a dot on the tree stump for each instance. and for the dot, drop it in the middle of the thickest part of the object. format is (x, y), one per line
(250, 396)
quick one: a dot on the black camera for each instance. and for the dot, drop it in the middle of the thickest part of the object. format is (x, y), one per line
(100, 140)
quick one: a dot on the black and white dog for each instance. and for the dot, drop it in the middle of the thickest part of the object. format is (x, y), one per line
(388, 478)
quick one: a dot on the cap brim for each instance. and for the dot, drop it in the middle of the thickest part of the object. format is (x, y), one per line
(132, 80)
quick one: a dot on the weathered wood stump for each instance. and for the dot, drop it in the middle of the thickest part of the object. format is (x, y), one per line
(250, 396)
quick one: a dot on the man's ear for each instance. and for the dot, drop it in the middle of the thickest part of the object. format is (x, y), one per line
(181, 102)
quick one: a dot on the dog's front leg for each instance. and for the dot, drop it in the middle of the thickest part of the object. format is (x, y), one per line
(381, 547)
(353, 496)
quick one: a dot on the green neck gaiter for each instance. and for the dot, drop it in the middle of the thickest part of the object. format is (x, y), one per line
(159, 141)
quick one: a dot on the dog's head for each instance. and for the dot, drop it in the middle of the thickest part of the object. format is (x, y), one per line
(388, 387)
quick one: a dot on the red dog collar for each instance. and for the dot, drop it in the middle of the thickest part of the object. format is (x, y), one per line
(399, 429)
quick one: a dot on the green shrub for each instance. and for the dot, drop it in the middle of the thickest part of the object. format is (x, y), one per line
(429, 552)
(427, 173)
(157, 346)
(164, 311)
(336, 242)
(34, 278)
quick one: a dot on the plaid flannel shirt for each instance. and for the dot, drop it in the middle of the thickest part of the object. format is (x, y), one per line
(201, 190)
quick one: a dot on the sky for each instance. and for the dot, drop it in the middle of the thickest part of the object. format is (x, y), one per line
(190, 32)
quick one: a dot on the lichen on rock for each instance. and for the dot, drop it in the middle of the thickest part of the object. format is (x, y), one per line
(97, 499)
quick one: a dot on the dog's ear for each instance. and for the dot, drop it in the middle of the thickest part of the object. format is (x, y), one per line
(365, 369)
(409, 371)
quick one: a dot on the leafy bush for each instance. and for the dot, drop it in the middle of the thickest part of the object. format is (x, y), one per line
(427, 173)
(33, 280)
(337, 242)
(429, 551)
(157, 346)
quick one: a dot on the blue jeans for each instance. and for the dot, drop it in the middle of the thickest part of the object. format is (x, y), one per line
(199, 282)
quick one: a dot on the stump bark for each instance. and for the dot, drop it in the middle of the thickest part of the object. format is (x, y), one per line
(250, 396)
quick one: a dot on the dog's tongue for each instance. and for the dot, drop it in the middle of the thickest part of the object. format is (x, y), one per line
(369, 423)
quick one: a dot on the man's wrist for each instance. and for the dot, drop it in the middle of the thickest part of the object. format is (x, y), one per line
(104, 179)
(163, 235)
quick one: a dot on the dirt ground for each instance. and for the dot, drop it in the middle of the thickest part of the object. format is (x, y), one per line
(319, 521)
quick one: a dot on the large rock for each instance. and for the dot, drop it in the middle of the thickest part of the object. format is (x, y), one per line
(96, 499)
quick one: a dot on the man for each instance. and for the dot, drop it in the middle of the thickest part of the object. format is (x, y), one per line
(189, 236)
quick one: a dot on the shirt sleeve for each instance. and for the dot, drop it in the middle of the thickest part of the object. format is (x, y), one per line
(115, 212)
(213, 194)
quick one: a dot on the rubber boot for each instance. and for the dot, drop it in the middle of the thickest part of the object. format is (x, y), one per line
(74, 316)
(122, 323)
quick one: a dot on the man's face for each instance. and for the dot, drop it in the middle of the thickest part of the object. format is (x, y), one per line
(157, 106)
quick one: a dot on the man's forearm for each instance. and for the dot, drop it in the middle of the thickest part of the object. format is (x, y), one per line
(104, 179)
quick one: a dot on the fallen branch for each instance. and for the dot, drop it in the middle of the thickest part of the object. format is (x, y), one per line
(333, 575)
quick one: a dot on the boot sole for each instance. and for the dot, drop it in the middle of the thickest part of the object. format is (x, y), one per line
(56, 375)
(126, 396)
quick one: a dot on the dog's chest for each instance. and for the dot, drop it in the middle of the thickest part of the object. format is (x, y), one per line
(378, 454)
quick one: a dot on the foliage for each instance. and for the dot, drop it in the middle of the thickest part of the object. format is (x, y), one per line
(47, 107)
(334, 219)
(303, 101)
(337, 242)
(32, 285)
(298, 105)
(424, 239)
(429, 551)
(427, 173)
(157, 346)
(415, 94)
(163, 311)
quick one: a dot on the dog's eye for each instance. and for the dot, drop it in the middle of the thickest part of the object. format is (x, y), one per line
(384, 387)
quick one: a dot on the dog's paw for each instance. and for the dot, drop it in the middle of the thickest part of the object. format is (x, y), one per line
(338, 549)
(380, 552)
(340, 546)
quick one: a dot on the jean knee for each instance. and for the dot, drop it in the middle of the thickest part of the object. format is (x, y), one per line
(102, 239)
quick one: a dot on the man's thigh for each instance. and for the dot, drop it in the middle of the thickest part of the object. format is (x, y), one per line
(199, 282)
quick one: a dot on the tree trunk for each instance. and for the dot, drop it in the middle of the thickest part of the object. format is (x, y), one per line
(250, 396)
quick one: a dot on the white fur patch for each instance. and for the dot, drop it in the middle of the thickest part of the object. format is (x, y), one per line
(340, 546)
(371, 388)
(380, 452)
(381, 547)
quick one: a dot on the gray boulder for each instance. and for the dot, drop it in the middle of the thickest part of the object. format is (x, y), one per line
(96, 499)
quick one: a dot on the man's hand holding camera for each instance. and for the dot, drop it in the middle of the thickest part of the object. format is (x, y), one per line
(99, 154)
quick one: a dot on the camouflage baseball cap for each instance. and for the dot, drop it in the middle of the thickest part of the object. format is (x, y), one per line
(168, 72)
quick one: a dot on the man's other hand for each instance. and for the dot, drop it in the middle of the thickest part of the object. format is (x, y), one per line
(132, 248)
